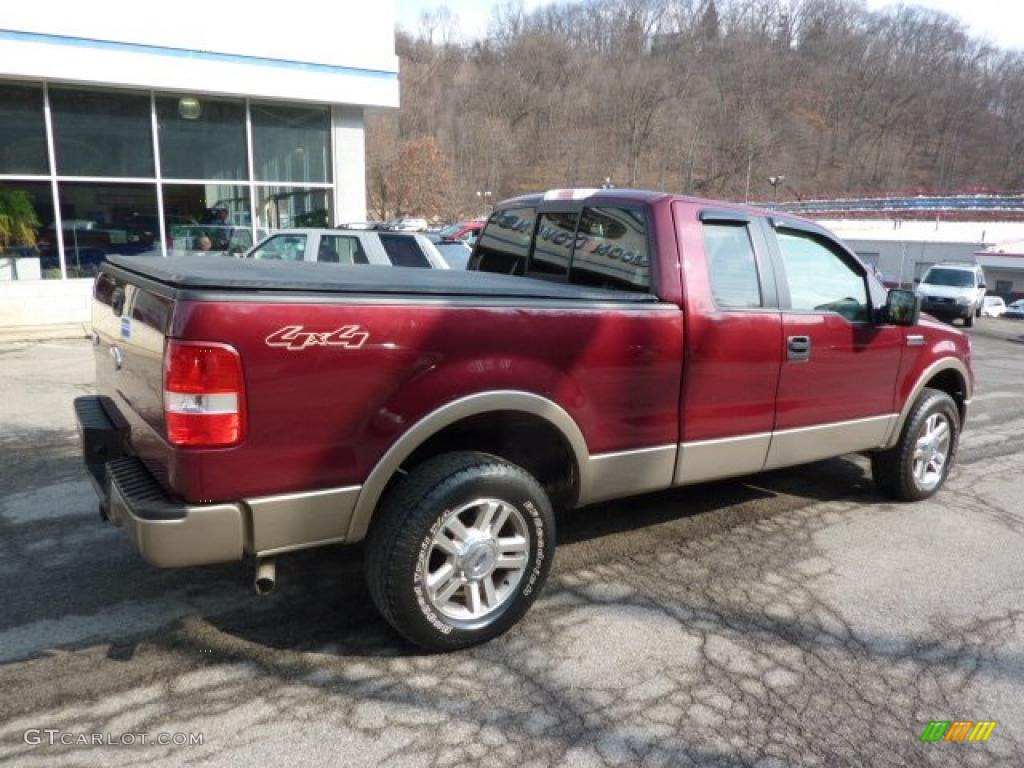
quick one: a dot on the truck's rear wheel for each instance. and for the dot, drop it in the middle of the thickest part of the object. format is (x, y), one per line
(459, 550)
(917, 466)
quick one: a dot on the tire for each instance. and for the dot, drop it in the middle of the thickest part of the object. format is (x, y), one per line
(434, 522)
(894, 469)
(969, 320)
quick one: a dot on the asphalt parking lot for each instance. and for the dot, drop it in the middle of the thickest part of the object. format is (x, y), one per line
(793, 618)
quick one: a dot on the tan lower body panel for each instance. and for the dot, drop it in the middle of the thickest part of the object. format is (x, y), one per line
(303, 520)
(823, 441)
(300, 520)
(630, 472)
(704, 460)
(207, 534)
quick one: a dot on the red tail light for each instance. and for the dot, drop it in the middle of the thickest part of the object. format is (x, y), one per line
(204, 395)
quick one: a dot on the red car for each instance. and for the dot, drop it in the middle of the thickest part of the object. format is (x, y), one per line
(603, 344)
(465, 231)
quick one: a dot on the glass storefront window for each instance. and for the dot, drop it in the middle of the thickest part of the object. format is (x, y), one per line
(207, 218)
(102, 133)
(221, 186)
(201, 138)
(22, 130)
(290, 207)
(291, 144)
(28, 247)
(99, 219)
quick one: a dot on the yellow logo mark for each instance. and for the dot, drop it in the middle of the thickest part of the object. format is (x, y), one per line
(982, 730)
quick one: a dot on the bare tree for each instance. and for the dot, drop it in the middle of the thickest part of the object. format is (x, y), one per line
(702, 96)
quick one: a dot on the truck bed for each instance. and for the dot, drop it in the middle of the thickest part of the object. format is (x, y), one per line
(188, 273)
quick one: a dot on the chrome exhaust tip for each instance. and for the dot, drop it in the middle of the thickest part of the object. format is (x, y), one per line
(266, 576)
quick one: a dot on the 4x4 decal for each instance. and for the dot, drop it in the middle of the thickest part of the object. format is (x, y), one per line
(294, 338)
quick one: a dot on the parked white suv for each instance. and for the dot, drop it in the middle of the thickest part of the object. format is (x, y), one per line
(350, 247)
(953, 290)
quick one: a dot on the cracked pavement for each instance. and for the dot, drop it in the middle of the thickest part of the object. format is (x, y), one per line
(788, 619)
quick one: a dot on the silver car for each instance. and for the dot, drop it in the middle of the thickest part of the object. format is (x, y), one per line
(349, 246)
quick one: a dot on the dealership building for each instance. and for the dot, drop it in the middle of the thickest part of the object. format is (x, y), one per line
(903, 250)
(179, 128)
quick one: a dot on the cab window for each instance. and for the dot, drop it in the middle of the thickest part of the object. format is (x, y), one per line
(732, 266)
(282, 248)
(505, 242)
(612, 250)
(820, 279)
(552, 245)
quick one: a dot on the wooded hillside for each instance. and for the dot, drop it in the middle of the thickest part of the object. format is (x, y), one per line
(708, 97)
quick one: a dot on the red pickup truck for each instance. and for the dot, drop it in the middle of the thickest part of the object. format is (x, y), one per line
(602, 344)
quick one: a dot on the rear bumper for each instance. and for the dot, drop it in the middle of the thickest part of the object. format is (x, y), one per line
(168, 533)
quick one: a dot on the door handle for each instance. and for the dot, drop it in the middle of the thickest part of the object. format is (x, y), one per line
(798, 348)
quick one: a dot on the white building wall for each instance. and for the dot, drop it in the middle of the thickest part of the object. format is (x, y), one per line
(342, 33)
(59, 60)
(25, 303)
(349, 164)
(337, 54)
(909, 258)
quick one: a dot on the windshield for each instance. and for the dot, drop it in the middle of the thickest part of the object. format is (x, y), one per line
(956, 278)
(281, 248)
(450, 231)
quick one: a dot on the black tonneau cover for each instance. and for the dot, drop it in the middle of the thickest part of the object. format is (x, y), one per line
(226, 273)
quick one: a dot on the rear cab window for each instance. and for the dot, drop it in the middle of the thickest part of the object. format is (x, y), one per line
(553, 244)
(504, 243)
(598, 246)
(612, 250)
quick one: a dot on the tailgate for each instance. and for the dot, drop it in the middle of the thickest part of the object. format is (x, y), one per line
(130, 322)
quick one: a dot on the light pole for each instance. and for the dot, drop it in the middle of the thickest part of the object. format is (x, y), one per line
(485, 197)
(776, 182)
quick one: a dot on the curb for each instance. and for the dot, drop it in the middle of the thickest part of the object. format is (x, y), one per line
(46, 332)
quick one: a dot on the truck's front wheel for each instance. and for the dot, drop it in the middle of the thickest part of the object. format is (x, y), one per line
(459, 550)
(917, 466)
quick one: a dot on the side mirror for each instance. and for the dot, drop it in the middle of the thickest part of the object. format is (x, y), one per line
(917, 280)
(902, 307)
(982, 285)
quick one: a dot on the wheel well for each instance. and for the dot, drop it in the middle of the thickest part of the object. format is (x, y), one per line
(529, 441)
(950, 382)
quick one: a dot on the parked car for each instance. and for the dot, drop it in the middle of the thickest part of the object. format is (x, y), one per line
(407, 225)
(1015, 310)
(464, 231)
(993, 306)
(455, 252)
(440, 416)
(953, 291)
(349, 247)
